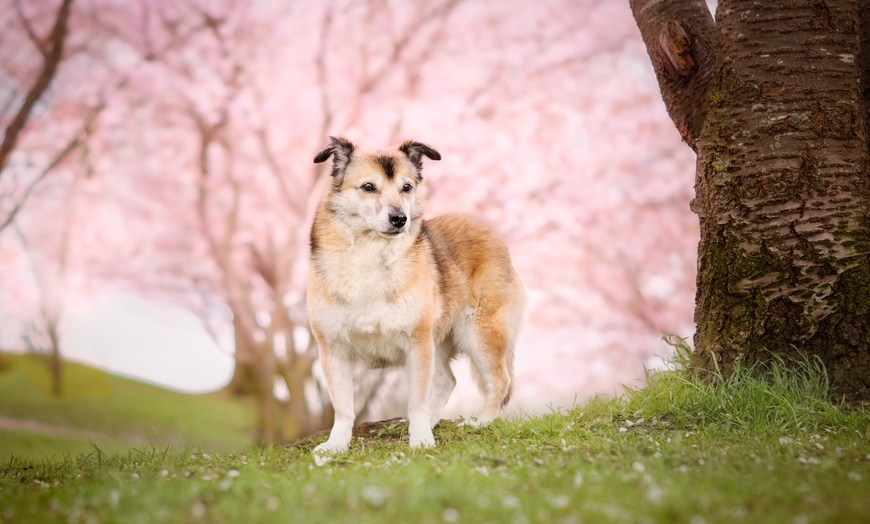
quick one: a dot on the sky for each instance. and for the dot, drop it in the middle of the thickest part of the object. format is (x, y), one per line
(158, 342)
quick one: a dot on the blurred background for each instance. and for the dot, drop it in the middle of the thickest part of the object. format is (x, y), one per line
(157, 186)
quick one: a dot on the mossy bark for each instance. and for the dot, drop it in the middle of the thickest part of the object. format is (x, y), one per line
(783, 191)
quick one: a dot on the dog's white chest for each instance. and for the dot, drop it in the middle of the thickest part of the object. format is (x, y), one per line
(371, 310)
(379, 331)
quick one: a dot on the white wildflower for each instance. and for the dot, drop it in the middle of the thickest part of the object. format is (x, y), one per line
(114, 498)
(450, 515)
(233, 473)
(510, 502)
(578, 480)
(560, 502)
(639, 467)
(198, 510)
(655, 494)
(376, 496)
(519, 518)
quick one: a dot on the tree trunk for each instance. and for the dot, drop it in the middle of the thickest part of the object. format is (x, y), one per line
(243, 383)
(55, 362)
(269, 414)
(782, 185)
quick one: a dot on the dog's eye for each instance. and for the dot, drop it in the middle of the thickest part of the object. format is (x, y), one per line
(407, 188)
(368, 187)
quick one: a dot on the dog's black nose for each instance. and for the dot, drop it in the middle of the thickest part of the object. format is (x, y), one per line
(398, 219)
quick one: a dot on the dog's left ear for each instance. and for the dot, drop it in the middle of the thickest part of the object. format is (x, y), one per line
(340, 150)
(415, 151)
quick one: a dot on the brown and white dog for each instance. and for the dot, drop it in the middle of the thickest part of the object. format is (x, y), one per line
(392, 289)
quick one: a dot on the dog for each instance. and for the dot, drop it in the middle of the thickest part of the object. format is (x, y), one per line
(392, 289)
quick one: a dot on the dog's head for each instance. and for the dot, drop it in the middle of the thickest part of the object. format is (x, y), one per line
(376, 191)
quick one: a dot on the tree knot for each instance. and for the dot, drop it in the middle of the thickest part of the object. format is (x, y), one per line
(674, 47)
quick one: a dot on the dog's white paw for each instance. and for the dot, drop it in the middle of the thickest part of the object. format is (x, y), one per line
(331, 448)
(423, 443)
(422, 439)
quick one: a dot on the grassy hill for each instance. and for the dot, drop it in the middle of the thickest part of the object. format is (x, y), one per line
(113, 413)
(765, 448)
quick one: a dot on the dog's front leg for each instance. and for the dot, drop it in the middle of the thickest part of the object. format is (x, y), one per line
(338, 372)
(421, 367)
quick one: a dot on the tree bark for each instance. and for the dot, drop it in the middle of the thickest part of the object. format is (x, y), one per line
(681, 39)
(782, 189)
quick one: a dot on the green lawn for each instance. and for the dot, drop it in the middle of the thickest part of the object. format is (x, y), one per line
(112, 412)
(744, 450)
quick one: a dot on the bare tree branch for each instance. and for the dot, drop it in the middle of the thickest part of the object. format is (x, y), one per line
(320, 64)
(31, 34)
(75, 142)
(52, 52)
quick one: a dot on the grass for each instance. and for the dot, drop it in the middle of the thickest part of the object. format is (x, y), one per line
(115, 413)
(764, 446)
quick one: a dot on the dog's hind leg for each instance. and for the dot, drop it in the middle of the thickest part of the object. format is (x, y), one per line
(443, 381)
(489, 343)
(494, 378)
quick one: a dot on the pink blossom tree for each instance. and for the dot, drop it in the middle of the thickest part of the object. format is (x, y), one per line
(201, 183)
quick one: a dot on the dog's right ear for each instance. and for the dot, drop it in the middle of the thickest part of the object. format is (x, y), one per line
(340, 150)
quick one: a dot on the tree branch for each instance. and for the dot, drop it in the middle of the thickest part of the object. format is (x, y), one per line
(52, 51)
(76, 141)
(31, 34)
(680, 38)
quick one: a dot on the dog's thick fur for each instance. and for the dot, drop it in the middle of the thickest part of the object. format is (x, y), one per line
(392, 289)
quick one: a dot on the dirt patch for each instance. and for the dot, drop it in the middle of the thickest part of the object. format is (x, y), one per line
(367, 433)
